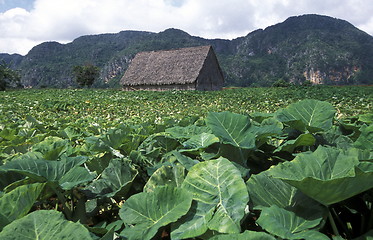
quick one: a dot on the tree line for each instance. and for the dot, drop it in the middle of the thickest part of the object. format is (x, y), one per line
(85, 76)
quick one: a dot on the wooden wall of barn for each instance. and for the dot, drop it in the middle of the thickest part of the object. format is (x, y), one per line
(211, 76)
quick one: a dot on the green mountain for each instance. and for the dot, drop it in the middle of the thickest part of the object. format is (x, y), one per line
(317, 48)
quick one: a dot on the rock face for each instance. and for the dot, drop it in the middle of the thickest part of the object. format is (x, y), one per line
(316, 48)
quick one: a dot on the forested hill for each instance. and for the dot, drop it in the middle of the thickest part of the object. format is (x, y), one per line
(317, 48)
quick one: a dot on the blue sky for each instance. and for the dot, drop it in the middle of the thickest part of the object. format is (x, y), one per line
(9, 4)
(26, 23)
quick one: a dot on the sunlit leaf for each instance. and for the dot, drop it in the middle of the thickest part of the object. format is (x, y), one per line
(46, 225)
(328, 175)
(287, 225)
(17, 203)
(309, 114)
(145, 213)
(220, 199)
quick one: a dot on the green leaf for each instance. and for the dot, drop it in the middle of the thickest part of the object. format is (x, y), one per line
(201, 141)
(186, 132)
(186, 161)
(247, 235)
(266, 191)
(287, 225)
(159, 142)
(232, 128)
(74, 177)
(328, 175)
(115, 180)
(46, 225)
(336, 139)
(309, 114)
(51, 148)
(366, 118)
(365, 140)
(260, 116)
(302, 140)
(220, 199)
(268, 128)
(145, 213)
(17, 203)
(116, 136)
(70, 133)
(166, 175)
(66, 172)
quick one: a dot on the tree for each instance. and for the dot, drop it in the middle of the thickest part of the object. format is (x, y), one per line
(86, 75)
(8, 77)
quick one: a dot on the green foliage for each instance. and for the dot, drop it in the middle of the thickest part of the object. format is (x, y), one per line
(281, 83)
(8, 77)
(307, 83)
(288, 50)
(86, 75)
(295, 170)
(45, 225)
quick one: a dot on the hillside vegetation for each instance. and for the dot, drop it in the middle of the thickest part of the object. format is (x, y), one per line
(316, 48)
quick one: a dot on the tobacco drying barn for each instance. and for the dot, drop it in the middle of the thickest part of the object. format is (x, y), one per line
(195, 68)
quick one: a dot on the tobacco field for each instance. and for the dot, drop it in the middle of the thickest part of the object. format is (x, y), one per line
(251, 163)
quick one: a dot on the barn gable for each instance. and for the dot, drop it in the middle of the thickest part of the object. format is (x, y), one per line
(195, 68)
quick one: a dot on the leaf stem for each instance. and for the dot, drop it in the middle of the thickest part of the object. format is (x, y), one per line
(370, 221)
(332, 223)
(66, 209)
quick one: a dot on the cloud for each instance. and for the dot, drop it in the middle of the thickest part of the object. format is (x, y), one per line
(63, 21)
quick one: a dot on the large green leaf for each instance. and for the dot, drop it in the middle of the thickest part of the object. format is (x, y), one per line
(247, 235)
(160, 142)
(67, 172)
(312, 115)
(266, 129)
(287, 225)
(232, 128)
(45, 225)
(52, 147)
(266, 191)
(115, 180)
(328, 175)
(220, 199)
(18, 202)
(365, 140)
(306, 139)
(200, 141)
(186, 132)
(116, 136)
(186, 161)
(145, 213)
(166, 175)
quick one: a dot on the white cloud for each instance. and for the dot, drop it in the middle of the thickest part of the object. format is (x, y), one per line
(55, 20)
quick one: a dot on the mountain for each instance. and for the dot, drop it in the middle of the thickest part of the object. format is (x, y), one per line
(320, 49)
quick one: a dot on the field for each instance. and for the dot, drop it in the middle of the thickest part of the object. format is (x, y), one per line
(250, 163)
(113, 106)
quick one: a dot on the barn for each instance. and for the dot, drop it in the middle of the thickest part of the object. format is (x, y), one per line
(194, 68)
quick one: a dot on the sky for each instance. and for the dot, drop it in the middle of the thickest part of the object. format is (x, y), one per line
(26, 23)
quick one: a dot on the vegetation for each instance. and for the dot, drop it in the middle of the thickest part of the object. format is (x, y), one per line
(86, 75)
(8, 77)
(104, 164)
(281, 83)
(306, 44)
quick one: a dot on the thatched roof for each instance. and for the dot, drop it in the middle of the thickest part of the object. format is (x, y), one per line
(179, 66)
